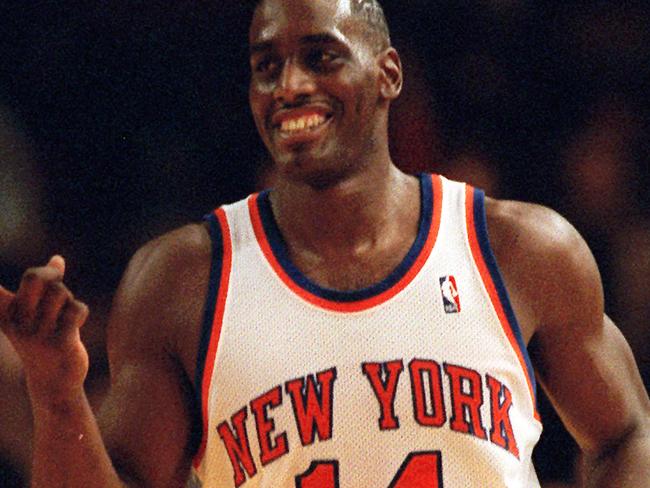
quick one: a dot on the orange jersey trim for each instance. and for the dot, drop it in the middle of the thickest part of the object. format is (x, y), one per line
(490, 286)
(217, 323)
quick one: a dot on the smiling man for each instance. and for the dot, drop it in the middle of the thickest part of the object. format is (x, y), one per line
(362, 328)
(329, 126)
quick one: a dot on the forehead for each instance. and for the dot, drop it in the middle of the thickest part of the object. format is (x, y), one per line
(277, 20)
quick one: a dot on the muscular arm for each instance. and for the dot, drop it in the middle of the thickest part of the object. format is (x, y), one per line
(619, 452)
(147, 417)
(580, 357)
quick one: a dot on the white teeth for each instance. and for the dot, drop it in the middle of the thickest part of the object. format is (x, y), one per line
(302, 123)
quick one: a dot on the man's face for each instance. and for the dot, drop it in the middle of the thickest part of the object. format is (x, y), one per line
(314, 87)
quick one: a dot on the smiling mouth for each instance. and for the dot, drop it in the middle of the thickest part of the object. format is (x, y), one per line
(307, 122)
(302, 126)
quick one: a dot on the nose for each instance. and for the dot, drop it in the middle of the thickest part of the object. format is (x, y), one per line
(293, 83)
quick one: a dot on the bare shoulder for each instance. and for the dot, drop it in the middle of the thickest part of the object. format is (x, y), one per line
(548, 268)
(530, 227)
(161, 295)
(180, 246)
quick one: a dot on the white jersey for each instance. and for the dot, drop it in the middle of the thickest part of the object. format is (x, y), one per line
(419, 381)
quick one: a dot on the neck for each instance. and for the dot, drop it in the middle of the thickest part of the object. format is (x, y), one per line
(362, 213)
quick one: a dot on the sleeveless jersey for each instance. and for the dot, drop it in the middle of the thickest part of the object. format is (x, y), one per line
(422, 380)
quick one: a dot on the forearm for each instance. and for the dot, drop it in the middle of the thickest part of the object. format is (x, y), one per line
(68, 449)
(625, 466)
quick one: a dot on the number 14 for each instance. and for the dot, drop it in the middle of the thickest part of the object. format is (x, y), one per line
(419, 470)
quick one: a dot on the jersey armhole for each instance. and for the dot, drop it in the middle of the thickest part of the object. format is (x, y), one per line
(212, 319)
(491, 276)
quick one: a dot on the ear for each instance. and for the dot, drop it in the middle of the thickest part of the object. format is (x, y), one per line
(390, 77)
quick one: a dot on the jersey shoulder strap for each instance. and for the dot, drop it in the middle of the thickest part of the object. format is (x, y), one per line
(220, 268)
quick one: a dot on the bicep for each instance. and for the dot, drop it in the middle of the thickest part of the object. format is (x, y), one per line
(580, 357)
(593, 382)
(150, 413)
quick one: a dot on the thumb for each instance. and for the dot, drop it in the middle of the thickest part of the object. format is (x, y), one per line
(58, 263)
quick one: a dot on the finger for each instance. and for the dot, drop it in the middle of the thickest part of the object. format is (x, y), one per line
(73, 316)
(50, 307)
(57, 262)
(6, 299)
(30, 292)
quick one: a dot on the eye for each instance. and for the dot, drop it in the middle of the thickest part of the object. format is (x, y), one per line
(264, 65)
(320, 58)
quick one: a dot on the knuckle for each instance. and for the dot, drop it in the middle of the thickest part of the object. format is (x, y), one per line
(83, 308)
(74, 311)
(85, 312)
(82, 315)
(80, 309)
(23, 317)
(30, 276)
(49, 307)
(58, 292)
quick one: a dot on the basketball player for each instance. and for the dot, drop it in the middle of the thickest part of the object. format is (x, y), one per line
(328, 353)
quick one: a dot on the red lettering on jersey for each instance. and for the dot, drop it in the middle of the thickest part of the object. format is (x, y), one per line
(501, 432)
(419, 470)
(466, 404)
(269, 450)
(312, 405)
(385, 389)
(321, 474)
(237, 446)
(418, 368)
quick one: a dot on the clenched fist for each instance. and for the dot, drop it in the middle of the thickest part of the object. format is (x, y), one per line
(42, 321)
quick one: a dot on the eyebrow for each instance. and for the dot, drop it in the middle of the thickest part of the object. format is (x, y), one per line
(260, 47)
(319, 39)
(324, 38)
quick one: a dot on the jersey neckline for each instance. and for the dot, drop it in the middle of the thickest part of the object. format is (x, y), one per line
(275, 250)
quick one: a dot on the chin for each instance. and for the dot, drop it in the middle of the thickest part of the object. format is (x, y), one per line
(310, 171)
(319, 166)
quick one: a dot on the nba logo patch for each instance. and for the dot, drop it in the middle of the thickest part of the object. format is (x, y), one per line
(450, 297)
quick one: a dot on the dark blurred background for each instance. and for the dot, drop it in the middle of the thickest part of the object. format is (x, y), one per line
(121, 120)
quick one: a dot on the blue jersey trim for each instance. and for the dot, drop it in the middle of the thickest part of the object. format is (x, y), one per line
(216, 237)
(480, 223)
(279, 248)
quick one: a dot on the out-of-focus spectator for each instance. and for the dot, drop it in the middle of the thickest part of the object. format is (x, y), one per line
(22, 232)
(600, 180)
(604, 200)
(415, 140)
(478, 170)
(22, 240)
(630, 289)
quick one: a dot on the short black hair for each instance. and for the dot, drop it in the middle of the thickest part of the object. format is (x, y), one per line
(371, 12)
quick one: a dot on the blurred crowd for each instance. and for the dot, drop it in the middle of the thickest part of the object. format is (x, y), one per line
(122, 120)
